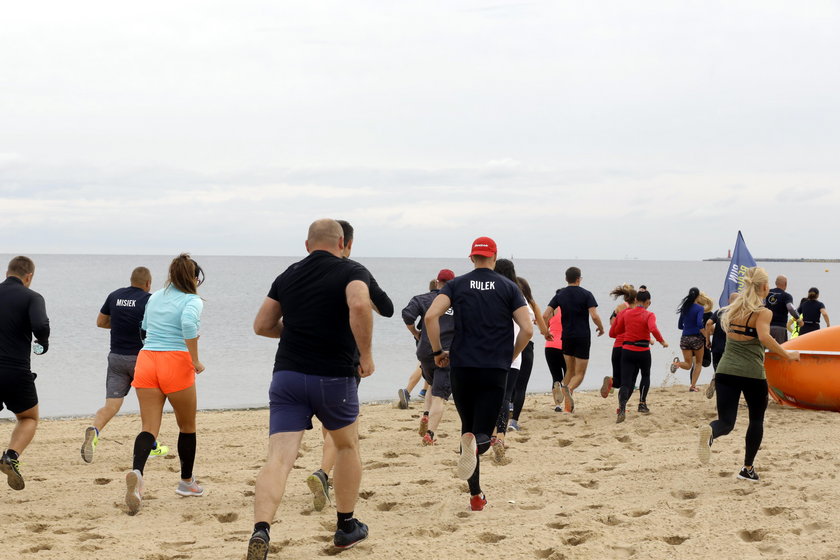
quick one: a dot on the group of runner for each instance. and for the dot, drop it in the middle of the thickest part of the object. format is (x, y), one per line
(474, 344)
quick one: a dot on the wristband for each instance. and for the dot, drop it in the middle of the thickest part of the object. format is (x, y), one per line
(437, 353)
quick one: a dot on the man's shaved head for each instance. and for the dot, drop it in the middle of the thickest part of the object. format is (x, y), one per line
(325, 230)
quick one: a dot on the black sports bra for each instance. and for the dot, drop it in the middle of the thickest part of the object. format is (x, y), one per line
(745, 330)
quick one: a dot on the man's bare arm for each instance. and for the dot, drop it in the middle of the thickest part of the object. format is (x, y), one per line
(361, 323)
(268, 321)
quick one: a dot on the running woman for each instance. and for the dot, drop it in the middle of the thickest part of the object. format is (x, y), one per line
(741, 370)
(635, 327)
(555, 360)
(165, 371)
(810, 310)
(483, 347)
(693, 339)
(628, 294)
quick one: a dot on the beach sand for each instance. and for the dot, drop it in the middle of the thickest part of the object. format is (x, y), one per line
(577, 487)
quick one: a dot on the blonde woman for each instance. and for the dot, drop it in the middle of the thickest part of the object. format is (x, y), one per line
(741, 369)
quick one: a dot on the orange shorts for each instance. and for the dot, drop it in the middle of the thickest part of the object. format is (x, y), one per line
(168, 371)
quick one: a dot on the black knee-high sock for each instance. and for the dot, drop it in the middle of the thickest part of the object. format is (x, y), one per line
(472, 482)
(143, 444)
(186, 453)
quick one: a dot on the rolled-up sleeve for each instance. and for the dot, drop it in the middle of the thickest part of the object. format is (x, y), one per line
(191, 318)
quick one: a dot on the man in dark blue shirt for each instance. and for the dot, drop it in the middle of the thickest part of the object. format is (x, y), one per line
(122, 313)
(22, 314)
(781, 304)
(485, 306)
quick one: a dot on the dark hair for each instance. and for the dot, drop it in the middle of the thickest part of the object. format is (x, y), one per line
(642, 288)
(688, 301)
(20, 266)
(347, 230)
(572, 274)
(813, 293)
(505, 268)
(626, 291)
(185, 274)
(642, 297)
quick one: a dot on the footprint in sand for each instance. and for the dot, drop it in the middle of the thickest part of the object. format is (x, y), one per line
(491, 538)
(557, 525)
(675, 540)
(385, 506)
(639, 513)
(226, 517)
(578, 538)
(589, 484)
(776, 510)
(564, 442)
(101, 481)
(365, 494)
(37, 527)
(684, 494)
(752, 536)
(624, 439)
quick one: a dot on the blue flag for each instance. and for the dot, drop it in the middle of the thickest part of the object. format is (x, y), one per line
(741, 261)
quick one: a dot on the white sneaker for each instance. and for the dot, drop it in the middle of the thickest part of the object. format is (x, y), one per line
(469, 457)
(133, 491)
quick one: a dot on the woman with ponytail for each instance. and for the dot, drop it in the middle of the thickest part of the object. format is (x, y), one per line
(810, 311)
(166, 369)
(693, 339)
(741, 369)
(628, 295)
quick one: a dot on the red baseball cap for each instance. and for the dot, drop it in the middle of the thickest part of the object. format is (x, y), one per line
(483, 247)
(445, 275)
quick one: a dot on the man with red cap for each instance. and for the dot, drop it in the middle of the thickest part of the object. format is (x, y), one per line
(437, 377)
(484, 302)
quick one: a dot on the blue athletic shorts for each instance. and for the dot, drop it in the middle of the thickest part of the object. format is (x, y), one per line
(294, 398)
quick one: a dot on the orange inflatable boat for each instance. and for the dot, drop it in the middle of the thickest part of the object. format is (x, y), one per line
(814, 381)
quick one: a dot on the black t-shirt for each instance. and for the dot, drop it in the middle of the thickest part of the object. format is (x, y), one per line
(810, 310)
(777, 302)
(317, 339)
(126, 307)
(22, 314)
(718, 336)
(483, 302)
(574, 303)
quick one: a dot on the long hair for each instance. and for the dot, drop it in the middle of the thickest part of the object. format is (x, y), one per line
(627, 291)
(748, 300)
(705, 301)
(505, 268)
(688, 301)
(185, 274)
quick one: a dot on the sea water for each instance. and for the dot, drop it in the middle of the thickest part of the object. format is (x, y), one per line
(71, 375)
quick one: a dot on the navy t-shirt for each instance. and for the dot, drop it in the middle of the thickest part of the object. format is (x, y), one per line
(126, 307)
(317, 339)
(574, 303)
(777, 301)
(483, 302)
(810, 310)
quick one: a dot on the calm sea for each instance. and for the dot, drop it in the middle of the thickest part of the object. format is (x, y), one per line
(71, 376)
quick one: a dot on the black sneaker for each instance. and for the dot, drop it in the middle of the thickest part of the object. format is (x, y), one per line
(348, 539)
(11, 468)
(258, 545)
(620, 415)
(643, 408)
(748, 474)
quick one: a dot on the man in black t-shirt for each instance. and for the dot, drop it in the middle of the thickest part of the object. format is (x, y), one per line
(22, 314)
(485, 306)
(322, 308)
(781, 304)
(577, 305)
(122, 313)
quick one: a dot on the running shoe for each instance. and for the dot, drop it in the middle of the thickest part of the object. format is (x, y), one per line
(11, 468)
(569, 405)
(428, 439)
(404, 397)
(159, 450)
(88, 447)
(558, 408)
(710, 389)
(258, 545)
(498, 451)
(673, 367)
(748, 474)
(620, 416)
(557, 393)
(318, 484)
(477, 502)
(606, 386)
(424, 425)
(469, 457)
(190, 488)
(349, 539)
(422, 394)
(643, 408)
(133, 491)
(704, 449)
(513, 425)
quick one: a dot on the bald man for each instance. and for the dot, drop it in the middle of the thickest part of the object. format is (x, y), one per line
(781, 304)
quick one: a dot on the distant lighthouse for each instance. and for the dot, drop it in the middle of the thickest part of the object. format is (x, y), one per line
(729, 254)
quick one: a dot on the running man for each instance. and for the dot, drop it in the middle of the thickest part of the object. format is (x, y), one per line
(436, 377)
(122, 313)
(780, 303)
(577, 306)
(322, 308)
(22, 314)
(483, 347)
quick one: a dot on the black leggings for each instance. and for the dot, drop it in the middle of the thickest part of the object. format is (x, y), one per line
(728, 389)
(556, 364)
(522, 380)
(616, 365)
(478, 394)
(510, 386)
(633, 362)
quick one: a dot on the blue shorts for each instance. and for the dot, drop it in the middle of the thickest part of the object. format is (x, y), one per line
(295, 397)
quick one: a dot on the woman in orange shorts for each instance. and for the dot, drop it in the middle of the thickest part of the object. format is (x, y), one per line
(166, 369)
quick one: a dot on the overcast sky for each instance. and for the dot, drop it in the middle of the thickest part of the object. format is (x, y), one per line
(563, 129)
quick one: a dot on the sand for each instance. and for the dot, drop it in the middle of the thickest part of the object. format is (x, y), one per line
(577, 487)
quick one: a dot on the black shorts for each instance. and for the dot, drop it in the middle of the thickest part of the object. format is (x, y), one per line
(577, 347)
(17, 390)
(437, 377)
